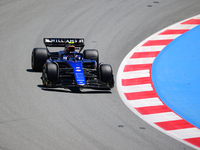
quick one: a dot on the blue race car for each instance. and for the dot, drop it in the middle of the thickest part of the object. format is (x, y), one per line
(69, 67)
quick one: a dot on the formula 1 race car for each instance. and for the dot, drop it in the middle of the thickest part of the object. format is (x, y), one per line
(69, 67)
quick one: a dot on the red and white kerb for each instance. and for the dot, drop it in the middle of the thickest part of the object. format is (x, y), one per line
(137, 90)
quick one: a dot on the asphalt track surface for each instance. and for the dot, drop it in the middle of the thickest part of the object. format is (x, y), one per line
(32, 117)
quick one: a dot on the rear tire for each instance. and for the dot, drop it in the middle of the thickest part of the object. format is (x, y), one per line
(38, 58)
(106, 74)
(91, 54)
(50, 73)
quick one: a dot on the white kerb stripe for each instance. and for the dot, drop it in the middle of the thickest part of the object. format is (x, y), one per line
(165, 37)
(150, 48)
(137, 88)
(183, 26)
(196, 17)
(139, 61)
(160, 117)
(146, 102)
(136, 74)
(186, 133)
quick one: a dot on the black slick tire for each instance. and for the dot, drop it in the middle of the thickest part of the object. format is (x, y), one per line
(50, 73)
(38, 58)
(106, 74)
(91, 54)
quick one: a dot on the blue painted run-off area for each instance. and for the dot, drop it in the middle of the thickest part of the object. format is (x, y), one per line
(176, 76)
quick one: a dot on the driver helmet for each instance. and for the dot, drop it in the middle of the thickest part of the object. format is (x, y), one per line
(70, 48)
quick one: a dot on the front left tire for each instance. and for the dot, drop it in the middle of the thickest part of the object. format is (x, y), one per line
(106, 74)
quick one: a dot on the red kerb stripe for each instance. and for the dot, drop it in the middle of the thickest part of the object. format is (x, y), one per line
(136, 81)
(144, 54)
(174, 125)
(192, 21)
(153, 109)
(194, 141)
(137, 67)
(157, 42)
(141, 95)
(171, 31)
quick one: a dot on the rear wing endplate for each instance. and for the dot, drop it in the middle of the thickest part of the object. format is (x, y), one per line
(62, 42)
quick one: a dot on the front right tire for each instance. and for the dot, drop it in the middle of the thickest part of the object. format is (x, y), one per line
(50, 73)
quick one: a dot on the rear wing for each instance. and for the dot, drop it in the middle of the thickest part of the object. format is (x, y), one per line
(62, 42)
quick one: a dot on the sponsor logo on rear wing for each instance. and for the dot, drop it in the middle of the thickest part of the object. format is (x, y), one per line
(61, 42)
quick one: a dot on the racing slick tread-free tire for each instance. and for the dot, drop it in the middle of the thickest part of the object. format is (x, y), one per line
(106, 74)
(50, 73)
(38, 58)
(91, 54)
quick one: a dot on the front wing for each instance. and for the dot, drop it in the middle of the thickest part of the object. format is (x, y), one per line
(65, 83)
